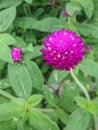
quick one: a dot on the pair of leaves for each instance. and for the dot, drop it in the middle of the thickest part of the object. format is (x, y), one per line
(37, 119)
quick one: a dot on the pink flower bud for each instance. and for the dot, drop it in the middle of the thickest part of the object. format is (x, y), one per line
(16, 54)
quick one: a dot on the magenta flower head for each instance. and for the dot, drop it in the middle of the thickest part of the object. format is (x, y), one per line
(63, 49)
(16, 54)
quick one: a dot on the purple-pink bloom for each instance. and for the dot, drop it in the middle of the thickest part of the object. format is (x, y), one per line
(63, 49)
(16, 54)
(88, 48)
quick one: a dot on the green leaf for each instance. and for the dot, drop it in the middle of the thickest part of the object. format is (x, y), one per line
(9, 3)
(66, 99)
(46, 25)
(49, 24)
(93, 107)
(90, 67)
(5, 52)
(2, 64)
(95, 11)
(28, 1)
(4, 83)
(36, 53)
(82, 102)
(89, 30)
(35, 99)
(71, 26)
(36, 75)
(40, 121)
(79, 120)
(20, 42)
(50, 97)
(7, 39)
(88, 7)
(72, 8)
(7, 125)
(62, 115)
(25, 22)
(20, 80)
(57, 76)
(29, 48)
(7, 16)
(10, 110)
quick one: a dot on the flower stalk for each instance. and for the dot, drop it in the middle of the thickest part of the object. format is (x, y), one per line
(86, 95)
(80, 85)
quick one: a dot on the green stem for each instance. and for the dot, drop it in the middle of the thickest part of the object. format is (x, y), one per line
(4, 93)
(80, 85)
(86, 95)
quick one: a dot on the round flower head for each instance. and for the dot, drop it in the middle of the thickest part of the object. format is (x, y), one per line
(63, 49)
(16, 54)
(88, 48)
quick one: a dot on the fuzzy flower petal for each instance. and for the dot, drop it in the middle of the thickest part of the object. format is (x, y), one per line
(16, 54)
(63, 49)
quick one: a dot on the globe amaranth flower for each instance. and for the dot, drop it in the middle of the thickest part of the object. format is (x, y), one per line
(63, 49)
(88, 48)
(16, 54)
